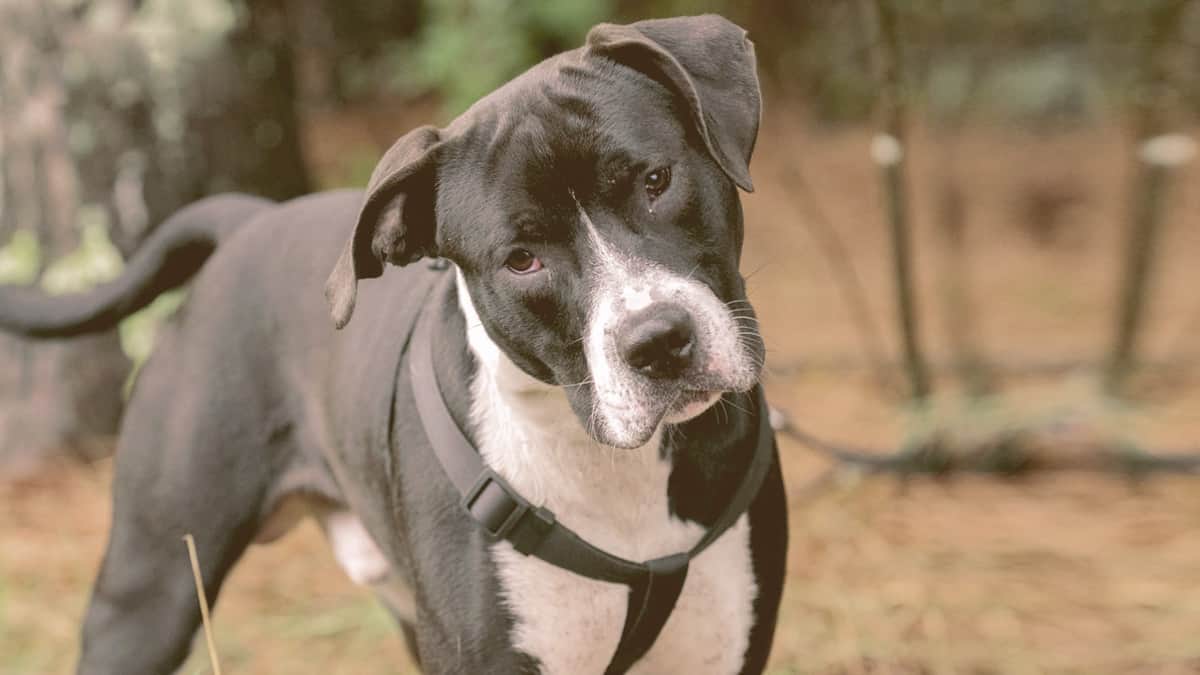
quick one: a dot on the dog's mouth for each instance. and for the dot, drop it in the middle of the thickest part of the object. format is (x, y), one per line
(630, 417)
(673, 408)
(689, 403)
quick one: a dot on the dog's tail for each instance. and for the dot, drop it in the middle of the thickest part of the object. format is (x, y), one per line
(170, 256)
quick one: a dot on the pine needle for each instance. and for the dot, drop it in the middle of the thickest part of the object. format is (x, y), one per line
(208, 636)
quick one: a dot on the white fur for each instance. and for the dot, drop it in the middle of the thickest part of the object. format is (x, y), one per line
(361, 559)
(354, 549)
(636, 298)
(616, 499)
(693, 409)
(626, 409)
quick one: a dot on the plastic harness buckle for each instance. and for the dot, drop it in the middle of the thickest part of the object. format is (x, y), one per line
(504, 514)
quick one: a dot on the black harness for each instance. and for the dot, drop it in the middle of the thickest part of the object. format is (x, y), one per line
(504, 514)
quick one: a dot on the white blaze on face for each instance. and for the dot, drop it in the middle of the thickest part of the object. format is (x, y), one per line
(627, 408)
(636, 299)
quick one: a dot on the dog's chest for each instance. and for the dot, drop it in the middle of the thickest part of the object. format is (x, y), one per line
(616, 499)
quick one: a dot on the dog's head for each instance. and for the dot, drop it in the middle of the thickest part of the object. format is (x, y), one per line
(591, 207)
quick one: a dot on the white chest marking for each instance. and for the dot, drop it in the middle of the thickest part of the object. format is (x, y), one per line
(616, 499)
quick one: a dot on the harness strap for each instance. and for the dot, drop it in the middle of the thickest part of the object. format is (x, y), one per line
(502, 512)
(652, 598)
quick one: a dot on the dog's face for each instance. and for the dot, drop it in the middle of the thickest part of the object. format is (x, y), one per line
(591, 206)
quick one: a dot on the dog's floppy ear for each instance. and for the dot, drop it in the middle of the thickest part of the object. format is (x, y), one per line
(708, 61)
(396, 223)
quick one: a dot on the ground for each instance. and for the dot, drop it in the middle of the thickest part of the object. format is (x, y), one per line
(1054, 572)
(1069, 573)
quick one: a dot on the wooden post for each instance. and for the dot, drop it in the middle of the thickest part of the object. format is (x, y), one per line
(888, 150)
(1157, 153)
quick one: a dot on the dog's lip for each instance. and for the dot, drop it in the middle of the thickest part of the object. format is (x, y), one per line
(688, 396)
(672, 409)
(688, 403)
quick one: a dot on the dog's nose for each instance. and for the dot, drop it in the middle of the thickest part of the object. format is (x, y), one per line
(658, 341)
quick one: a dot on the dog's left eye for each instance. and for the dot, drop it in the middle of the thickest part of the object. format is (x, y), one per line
(522, 261)
(658, 180)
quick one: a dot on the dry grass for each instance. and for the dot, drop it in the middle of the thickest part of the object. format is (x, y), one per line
(285, 609)
(1064, 573)
(1056, 573)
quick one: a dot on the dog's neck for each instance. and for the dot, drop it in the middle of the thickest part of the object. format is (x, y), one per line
(527, 432)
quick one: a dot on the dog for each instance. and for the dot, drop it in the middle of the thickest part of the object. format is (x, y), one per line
(591, 335)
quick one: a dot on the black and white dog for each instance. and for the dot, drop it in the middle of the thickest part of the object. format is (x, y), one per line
(593, 338)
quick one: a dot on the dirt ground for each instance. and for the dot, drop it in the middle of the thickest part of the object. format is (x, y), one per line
(1060, 572)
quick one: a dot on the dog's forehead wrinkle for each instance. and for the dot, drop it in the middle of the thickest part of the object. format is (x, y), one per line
(569, 100)
(590, 116)
(548, 147)
(573, 92)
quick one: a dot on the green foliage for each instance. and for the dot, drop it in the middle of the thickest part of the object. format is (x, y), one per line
(175, 33)
(1042, 86)
(469, 47)
(20, 259)
(95, 261)
(138, 331)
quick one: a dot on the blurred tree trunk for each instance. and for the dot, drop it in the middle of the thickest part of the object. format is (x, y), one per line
(100, 124)
(241, 110)
(341, 47)
(1148, 196)
(55, 397)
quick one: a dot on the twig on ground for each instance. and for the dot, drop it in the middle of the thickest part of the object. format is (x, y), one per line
(1010, 452)
(200, 595)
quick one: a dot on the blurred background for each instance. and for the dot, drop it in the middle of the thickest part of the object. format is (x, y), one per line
(973, 247)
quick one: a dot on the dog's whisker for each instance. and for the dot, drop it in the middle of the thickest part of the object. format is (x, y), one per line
(736, 406)
(757, 270)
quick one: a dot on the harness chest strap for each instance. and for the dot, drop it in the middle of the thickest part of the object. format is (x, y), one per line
(654, 585)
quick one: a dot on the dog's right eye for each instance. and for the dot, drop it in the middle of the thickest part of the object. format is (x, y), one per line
(522, 261)
(657, 181)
